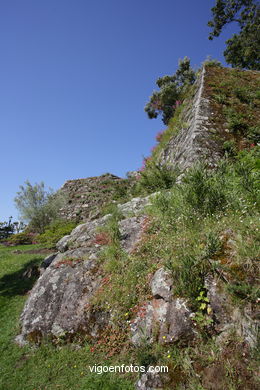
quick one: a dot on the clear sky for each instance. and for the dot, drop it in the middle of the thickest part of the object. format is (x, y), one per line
(75, 77)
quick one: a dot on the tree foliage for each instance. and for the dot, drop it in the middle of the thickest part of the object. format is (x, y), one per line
(243, 48)
(38, 206)
(165, 101)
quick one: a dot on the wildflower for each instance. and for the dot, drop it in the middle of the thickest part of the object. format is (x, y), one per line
(168, 356)
(164, 337)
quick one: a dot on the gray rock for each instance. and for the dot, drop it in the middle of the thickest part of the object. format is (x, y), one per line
(82, 235)
(149, 381)
(165, 319)
(219, 301)
(228, 318)
(135, 205)
(161, 284)
(60, 302)
(131, 231)
(62, 244)
(166, 322)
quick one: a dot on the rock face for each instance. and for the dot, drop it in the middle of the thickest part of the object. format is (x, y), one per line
(164, 318)
(149, 381)
(60, 302)
(194, 141)
(228, 318)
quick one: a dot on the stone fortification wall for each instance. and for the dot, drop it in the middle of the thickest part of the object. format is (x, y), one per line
(85, 197)
(195, 140)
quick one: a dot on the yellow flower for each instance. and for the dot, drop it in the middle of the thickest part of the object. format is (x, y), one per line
(126, 314)
(168, 356)
(164, 337)
(209, 310)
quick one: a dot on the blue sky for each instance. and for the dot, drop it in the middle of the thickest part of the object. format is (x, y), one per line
(75, 77)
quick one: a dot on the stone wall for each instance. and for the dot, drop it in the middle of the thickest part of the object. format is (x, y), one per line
(85, 197)
(194, 140)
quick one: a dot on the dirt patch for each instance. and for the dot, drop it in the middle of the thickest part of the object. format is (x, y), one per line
(40, 251)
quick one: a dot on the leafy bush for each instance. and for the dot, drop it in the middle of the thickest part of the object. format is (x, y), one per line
(156, 177)
(24, 238)
(229, 148)
(242, 94)
(55, 231)
(212, 62)
(236, 122)
(254, 134)
(168, 98)
(205, 190)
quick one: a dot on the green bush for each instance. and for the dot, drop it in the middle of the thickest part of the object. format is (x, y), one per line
(236, 122)
(165, 101)
(205, 190)
(155, 177)
(229, 148)
(23, 238)
(254, 134)
(55, 231)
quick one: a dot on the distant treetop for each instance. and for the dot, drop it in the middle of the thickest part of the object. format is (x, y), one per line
(243, 49)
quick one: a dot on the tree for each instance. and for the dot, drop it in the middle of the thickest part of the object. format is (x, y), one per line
(165, 101)
(38, 206)
(6, 229)
(243, 48)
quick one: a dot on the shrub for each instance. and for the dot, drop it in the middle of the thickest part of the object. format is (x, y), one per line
(23, 238)
(205, 190)
(155, 177)
(242, 94)
(236, 122)
(254, 134)
(168, 98)
(229, 148)
(55, 231)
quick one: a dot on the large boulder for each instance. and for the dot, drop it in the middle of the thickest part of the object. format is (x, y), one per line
(228, 318)
(59, 304)
(164, 318)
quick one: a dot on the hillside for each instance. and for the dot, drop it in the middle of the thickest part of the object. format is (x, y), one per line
(164, 268)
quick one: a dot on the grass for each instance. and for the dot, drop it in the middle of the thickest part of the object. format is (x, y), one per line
(235, 104)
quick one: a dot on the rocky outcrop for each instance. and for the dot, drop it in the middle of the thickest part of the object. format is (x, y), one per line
(227, 317)
(59, 305)
(165, 318)
(194, 140)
